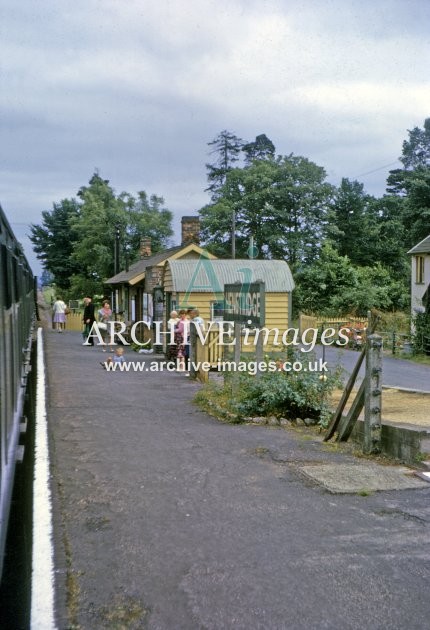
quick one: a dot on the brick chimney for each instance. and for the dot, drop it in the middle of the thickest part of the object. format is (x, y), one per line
(190, 230)
(145, 248)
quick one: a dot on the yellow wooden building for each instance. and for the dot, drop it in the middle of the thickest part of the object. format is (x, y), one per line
(200, 284)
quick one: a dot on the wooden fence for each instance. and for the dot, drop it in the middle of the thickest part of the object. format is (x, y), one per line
(210, 352)
(336, 321)
(74, 321)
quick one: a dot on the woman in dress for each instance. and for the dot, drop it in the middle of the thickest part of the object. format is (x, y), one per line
(59, 311)
(183, 329)
(172, 348)
(105, 316)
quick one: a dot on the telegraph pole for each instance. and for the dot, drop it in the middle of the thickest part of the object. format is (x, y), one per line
(116, 257)
(233, 235)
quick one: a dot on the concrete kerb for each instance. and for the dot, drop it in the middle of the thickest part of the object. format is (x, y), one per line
(409, 390)
(409, 444)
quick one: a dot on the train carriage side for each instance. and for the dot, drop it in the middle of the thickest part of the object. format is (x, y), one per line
(17, 316)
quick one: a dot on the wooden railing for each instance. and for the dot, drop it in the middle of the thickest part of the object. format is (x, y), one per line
(74, 321)
(210, 353)
(335, 321)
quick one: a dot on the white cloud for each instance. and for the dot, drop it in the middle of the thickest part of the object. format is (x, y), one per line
(138, 88)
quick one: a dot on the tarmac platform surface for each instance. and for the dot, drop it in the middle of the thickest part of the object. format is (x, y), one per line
(167, 519)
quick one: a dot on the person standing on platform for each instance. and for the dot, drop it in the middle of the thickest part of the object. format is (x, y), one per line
(59, 311)
(105, 316)
(183, 329)
(88, 319)
(195, 317)
(173, 334)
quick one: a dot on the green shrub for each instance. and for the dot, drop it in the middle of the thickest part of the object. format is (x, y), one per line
(398, 321)
(421, 335)
(281, 394)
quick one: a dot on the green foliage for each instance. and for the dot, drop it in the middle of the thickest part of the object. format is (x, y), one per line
(53, 241)
(349, 225)
(227, 148)
(331, 284)
(289, 395)
(416, 150)
(101, 215)
(397, 321)
(282, 203)
(375, 288)
(416, 217)
(415, 155)
(261, 149)
(387, 241)
(146, 217)
(76, 241)
(412, 184)
(421, 335)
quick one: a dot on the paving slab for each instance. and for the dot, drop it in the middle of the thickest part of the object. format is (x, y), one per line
(352, 478)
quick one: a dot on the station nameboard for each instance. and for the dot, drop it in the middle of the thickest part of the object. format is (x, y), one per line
(245, 303)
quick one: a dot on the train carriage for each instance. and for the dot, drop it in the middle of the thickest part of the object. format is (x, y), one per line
(17, 316)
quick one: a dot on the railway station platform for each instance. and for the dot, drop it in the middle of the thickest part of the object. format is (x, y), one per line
(165, 518)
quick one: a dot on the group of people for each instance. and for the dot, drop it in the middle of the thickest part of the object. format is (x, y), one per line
(104, 316)
(179, 325)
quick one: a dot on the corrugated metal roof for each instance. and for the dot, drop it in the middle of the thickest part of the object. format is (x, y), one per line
(422, 248)
(203, 274)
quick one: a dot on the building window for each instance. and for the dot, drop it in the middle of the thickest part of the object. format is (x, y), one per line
(419, 270)
(217, 311)
(147, 308)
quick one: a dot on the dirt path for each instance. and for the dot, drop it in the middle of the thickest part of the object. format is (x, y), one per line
(401, 406)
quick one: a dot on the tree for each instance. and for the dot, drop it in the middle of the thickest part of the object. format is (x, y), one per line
(53, 241)
(104, 218)
(368, 230)
(77, 241)
(332, 284)
(101, 215)
(387, 243)
(317, 283)
(261, 149)
(227, 148)
(349, 228)
(416, 150)
(282, 203)
(415, 155)
(146, 217)
(416, 213)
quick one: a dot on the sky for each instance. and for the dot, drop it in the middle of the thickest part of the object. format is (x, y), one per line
(137, 88)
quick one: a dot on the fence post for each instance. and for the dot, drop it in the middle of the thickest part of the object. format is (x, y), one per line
(236, 357)
(192, 353)
(373, 395)
(259, 354)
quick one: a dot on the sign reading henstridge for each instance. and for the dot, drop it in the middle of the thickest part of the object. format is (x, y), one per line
(245, 303)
